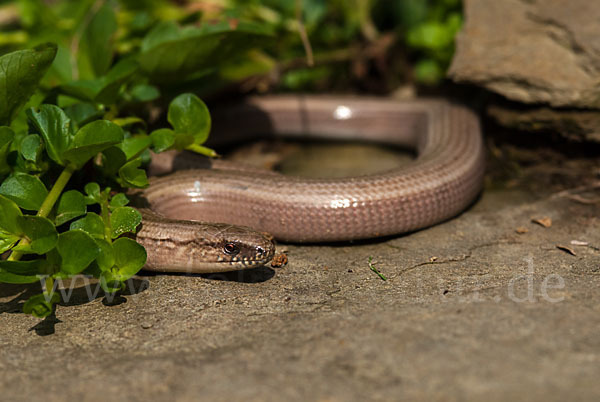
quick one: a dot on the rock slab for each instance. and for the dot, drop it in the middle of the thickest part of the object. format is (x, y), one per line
(532, 51)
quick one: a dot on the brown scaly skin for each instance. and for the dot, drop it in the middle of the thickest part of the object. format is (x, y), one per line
(443, 180)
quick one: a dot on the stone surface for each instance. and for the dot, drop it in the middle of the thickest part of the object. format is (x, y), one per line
(471, 310)
(576, 125)
(532, 51)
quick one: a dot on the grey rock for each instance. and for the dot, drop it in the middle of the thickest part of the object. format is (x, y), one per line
(532, 51)
(575, 125)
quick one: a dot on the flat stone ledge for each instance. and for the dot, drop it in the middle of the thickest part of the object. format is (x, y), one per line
(532, 51)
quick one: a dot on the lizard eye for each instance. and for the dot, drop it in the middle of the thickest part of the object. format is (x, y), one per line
(231, 248)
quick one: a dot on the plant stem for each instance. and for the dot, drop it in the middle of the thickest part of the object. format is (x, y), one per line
(49, 285)
(372, 266)
(55, 192)
(16, 255)
(310, 61)
(106, 219)
(47, 205)
(202, 150)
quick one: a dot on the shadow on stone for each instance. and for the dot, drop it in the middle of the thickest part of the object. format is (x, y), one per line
(91, 290)
(113, 300)
(70, 296)
(253, 275)
(47, 326)
(21, 293)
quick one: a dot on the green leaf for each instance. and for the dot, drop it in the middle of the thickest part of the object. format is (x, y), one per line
(96, 39)
(124, 220)
(6, 137)
(106, 258)
(70, 206)
(63, 101)
(454, 22)
(429, 71)
(31, 147)
(91, 223)
(41, 233)
(53, 262)
(24, 268)
(183, 141)
(410, 13)
(7, 240)
(119, 200)
(55, 128)
(21, 271)
(86, 90)
(93, 193)
(129, 121)
(189, 115)
(9, 216)
(132, 175)
(134, 146)
(92, 139)
(431, 35)
(41, 305)
(112, 160)
(20, 74)
(144, 93)
(83, 112)
(164, 31)
(173, 54)
(24, 189)
(106, 88)
(130, 257)
(162, 139)
(77, 250)
(8, 277)
(115, 79)
(61, 68)
(254, 63)
(110, 282)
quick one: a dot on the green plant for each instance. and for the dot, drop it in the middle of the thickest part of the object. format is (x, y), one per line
(48, 225)
(432, 37)
(73, 131)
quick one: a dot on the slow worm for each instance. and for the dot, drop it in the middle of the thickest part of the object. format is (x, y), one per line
(442, 181)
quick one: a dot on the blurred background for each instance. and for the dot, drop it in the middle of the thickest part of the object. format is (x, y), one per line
(374, 46)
